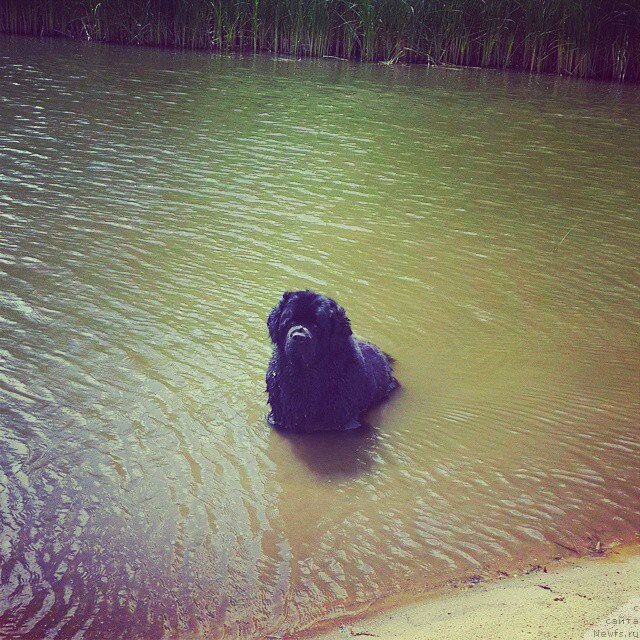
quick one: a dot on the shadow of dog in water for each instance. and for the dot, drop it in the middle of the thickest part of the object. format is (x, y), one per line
(335, 454)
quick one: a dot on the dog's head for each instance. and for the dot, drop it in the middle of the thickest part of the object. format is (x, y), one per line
(305, 326)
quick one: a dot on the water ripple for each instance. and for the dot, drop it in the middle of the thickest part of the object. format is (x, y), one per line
(480, 227)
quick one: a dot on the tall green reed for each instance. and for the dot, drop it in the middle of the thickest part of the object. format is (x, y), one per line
(579, 38)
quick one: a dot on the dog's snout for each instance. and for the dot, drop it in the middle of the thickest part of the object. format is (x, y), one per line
(299, 333)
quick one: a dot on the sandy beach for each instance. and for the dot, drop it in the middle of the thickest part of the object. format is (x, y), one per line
(564, 602)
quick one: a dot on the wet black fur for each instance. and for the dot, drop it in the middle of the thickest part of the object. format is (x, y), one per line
(345, 377)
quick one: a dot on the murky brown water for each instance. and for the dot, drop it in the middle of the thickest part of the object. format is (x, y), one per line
(481, 227)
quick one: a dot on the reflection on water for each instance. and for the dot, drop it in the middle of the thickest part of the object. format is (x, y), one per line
(335, 454)
(481, 227)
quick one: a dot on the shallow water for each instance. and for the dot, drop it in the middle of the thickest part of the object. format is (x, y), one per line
(481, 227)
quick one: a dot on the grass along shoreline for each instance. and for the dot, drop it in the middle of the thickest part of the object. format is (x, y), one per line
(596, 39)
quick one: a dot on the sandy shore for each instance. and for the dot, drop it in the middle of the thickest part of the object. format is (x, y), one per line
(563, 603)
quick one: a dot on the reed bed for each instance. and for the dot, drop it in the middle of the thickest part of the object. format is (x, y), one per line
(580, 38)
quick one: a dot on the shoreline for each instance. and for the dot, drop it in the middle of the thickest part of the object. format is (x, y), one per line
(275, 56)
(394, 61)
(562, 600)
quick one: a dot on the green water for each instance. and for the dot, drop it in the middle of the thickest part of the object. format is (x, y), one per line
(481, 227)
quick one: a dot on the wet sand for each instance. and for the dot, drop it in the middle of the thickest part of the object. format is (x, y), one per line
(563, 603)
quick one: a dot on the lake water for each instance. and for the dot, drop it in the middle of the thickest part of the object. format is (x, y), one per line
(481, 227)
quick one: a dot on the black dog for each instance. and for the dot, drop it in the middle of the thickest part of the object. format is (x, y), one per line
(320, 377)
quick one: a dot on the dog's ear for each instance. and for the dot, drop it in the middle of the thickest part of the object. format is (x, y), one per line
(273, 321)
(341, 326)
